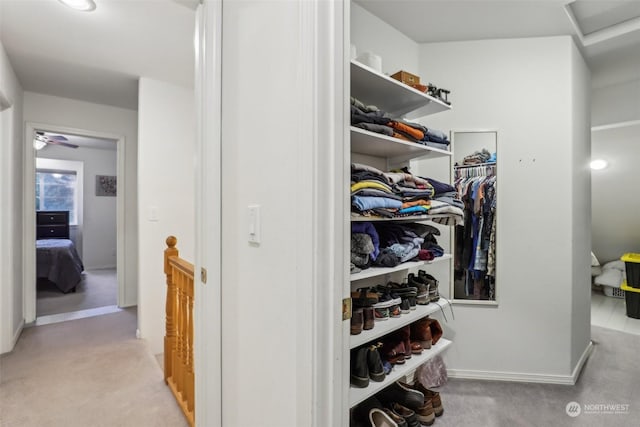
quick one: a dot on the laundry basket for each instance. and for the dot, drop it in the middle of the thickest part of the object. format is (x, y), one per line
(632, 300)
(632, 265)
(610, 291)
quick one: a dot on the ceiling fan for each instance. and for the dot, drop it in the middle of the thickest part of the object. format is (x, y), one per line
(42, 139)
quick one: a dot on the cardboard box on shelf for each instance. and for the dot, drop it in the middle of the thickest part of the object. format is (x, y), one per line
(407, 78)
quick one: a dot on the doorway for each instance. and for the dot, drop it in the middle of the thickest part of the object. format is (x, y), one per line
(96, 229)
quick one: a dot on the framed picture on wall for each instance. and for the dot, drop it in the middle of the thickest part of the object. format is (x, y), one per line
(106, 185)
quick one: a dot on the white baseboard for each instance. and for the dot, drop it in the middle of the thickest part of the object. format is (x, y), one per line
(100, 267)
(524, 377)
(583, 359)
(16, 336)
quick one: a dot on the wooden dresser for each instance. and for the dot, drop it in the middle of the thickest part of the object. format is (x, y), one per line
(52, 224)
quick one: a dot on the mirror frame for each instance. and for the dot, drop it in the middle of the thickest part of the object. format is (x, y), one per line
(461, 301)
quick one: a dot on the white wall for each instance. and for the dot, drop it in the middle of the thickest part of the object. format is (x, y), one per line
(46, 109)
(98, 234)
(616, 103)
(267, 160)
(370, 34)
(166, 182)
(496, 84)
(581, 206)
(11, 309)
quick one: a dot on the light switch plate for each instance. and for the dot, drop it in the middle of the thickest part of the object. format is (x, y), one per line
(254, 224)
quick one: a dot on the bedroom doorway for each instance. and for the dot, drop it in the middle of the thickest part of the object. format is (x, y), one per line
(73, 172)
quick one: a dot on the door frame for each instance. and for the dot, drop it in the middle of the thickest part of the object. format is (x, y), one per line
(29, 206)
(207, 287)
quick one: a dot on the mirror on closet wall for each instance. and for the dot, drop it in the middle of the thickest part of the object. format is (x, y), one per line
(474, 242)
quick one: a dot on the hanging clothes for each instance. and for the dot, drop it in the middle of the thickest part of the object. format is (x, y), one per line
(475, 237)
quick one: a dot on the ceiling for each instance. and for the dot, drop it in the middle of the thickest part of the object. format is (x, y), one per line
(99, 56)
(85, 141)
(607, 32)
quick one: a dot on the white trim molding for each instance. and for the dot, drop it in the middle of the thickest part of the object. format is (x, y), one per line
(325, 69)
(207, 297)
(617, 125)
(522, 376)
(603, 35)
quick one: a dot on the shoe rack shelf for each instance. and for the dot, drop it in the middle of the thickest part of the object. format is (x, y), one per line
(390, 95)
(399, 100)
(379, 145)
(384, 327)
(398, 219)
(357, 395)
(381, 271)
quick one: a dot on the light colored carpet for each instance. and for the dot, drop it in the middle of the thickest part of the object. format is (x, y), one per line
(610, 376)
(98, 288)
(81, 373)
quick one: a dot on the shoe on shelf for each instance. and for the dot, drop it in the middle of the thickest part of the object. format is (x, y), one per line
(364, 297)
(405, 396)
(404, 335)
(387, 366)
(405, 306)
(374, 363)
(436, 330)
(386, 305)
(379, 418)
(369, 318)
(360, 413)
(410, 417)
(357, 321)
(431, 395)
(359, 367)
(421, 333)
(422, 297)
(416, 347)
(395, 311)
(381, 313)
(426, 414)
(427, 278)
(393, 351)
(406, 293)
(400, 422)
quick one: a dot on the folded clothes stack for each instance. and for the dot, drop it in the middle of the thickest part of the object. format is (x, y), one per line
(371, 118)
(387, 244)
(401, 194)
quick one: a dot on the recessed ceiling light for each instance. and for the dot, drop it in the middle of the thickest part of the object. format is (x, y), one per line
(598, 164)
(82, 5)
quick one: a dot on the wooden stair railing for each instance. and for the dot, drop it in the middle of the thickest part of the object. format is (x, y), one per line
(178, 340)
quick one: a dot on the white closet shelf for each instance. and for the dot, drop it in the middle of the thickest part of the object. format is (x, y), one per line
(357, 395)
(384, 327)
(390, 95)
(399, 219)
(381, 271)
(379, 145)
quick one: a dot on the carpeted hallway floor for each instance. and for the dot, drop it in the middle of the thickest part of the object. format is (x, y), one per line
(90, 372)
(610, 376)
(98, 288)
(94, 373)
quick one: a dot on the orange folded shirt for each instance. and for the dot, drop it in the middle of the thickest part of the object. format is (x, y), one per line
(417, 134)
(416, 203)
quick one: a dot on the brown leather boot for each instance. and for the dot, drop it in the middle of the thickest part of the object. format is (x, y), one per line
(426, 414)
(421, 332)
(434, 396)
(393, 351)
(436, 330)
(404, 335)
